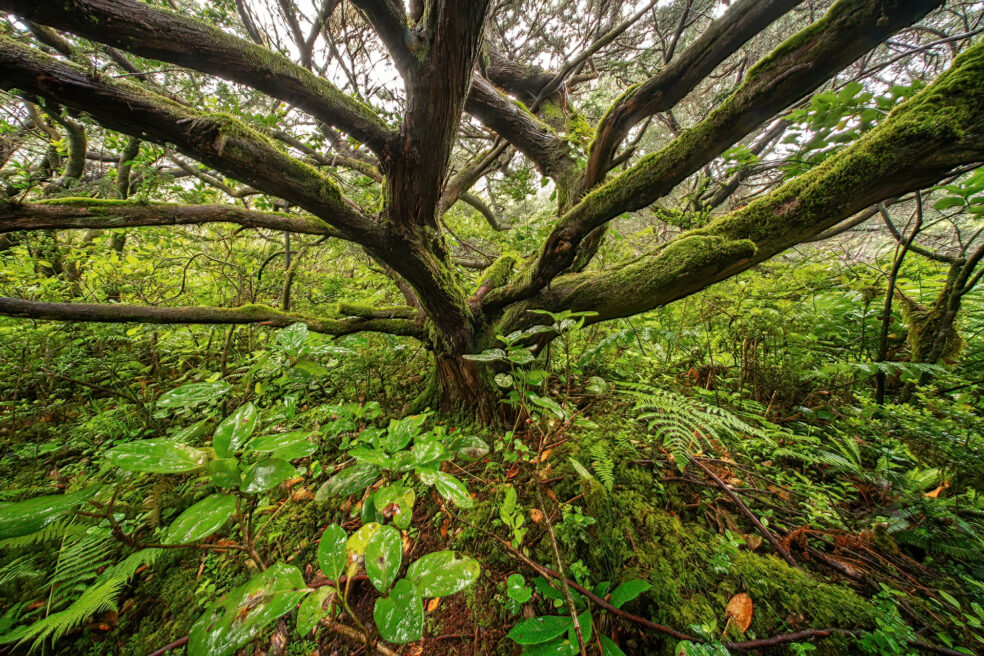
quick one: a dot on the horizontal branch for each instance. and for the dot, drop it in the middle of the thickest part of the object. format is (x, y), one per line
(920, 143)
(247, 314)
(90, 213)
(167, 36)
(218, 140)
(794, 69)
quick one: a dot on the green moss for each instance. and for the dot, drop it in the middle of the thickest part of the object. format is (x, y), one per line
(92, 202)
(497, 274)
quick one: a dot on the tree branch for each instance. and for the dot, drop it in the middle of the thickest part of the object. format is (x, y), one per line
(795, 68)
(247, 314)
(920, 143)
(86, 213)
(218, 140)
(139, 28)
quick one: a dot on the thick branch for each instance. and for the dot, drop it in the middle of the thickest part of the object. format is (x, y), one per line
(741, 22)
(218, 140)
(247, 314)
(156, 34)
(919, 144)
(390, 23)
(795, 68)
(527, 133)
(85, 214)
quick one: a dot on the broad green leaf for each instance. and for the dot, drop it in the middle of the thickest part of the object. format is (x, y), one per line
(356, 545)
(948, 202)
(427, 450)
(384, 554)
(348, 481)
(548, 404)
(225, 473)
(586, 623)
(266, 475)
(157, 456)
(400, 616)
(443, 573)
(553, 648)
(517, 589)
(312, 610)
(235, 430)
(192, 394)
(332, 553)
(368, 456)
(401, 431)
(489, 355)
(453, 490)
(201, 520)
(470, 448)
(534, 630)
(611, 649)
(292, 339)
(241, 614)
(311, 369)
(395, 502)
(580, 469)
(289, 446)
(25, 517)
(628, 591)
(369, 511)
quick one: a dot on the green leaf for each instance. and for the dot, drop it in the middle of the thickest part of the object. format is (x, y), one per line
(312, 610)
(950, 599)
(369, 512)
(948, 202)
(400, 616)
(292, 339)
(611, 649)
(534, 630)
(384, 554)
(348, 481)
(396, 502)
(225, 473)
(201, 520)
(581, 471)
(400, 432)
(443, 573)
(376, 457)
(235, 430)
(470, 448)
(553, 648)
(240, 615)
(549, 405)
(628, 591)
(453, 490)
(489, 355)
(332, 554)
(266, 475)
(288, 446)
(26, 517)
(517, 589)
(427, 450)
(312, 369)
(192, 394)
(356, 545)
(157, 456)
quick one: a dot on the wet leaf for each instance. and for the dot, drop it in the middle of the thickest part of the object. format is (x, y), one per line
(192, 394)
(453, 490)
(225, 473)
(235, 430)
(536, 630)
(400, 616)
(332, 552)
(443, 573)
(201, 520)
(611, 649)
(395, 502)
(628, 591)
(240, 615)
(346, 482)
(383, 557)
(312, 610)
(25, 517)
(288, 446)
(266, 475)
(158, 456)
(739, 611)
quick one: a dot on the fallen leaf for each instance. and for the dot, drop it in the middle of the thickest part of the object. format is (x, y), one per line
(416, 649)
(936, 493)
(739, 610)
(536, 515)
(433, 604)
(753, 542)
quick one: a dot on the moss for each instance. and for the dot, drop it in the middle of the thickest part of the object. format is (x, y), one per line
(93, 203)
(497, 274)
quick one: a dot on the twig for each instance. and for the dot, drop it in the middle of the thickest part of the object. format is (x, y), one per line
(563, 579)
(766, 533)
(180, 642)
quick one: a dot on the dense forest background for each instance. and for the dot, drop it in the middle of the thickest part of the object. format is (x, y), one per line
(231, 423)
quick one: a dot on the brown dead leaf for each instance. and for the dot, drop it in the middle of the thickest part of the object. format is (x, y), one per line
(753, 542)
(936, 493)
(536, 515)
(545, 455)
(433, 604)
(444, 527)
(553, 496)
(739, 611)
(416, 649)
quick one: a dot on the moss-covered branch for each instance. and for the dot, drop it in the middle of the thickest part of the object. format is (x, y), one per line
(798, 66)
(92, 213)
(247, 314)
(218, 140)
(920, 143)
(157, 34)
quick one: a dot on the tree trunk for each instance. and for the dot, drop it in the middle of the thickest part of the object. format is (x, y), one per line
(464, 388)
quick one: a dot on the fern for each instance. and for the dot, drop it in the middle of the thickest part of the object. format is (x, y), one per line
(78, 564)
(54, 531)
(687, 425)
(98, 598)
(603, 464)
(19, 568)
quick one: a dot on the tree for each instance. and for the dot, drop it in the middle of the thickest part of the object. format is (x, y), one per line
(413, 141)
